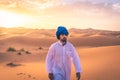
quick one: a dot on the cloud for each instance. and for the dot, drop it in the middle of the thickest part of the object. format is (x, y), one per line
(86, 7)
(116, 7)
(43, 4)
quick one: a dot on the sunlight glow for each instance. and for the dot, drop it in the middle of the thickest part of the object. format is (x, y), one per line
(9, 19)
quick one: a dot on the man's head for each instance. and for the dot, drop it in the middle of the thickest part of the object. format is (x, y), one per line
(62, 33)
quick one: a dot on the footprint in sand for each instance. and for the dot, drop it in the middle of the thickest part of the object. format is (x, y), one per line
(26, 76)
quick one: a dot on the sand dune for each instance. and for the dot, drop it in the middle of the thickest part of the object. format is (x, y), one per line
(42, 37)
(90, 31)
(94, 41)
(28, 41)
(98, 50)
(100, 63)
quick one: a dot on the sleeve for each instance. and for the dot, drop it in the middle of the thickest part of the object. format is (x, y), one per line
(49, 60)
(76, 60)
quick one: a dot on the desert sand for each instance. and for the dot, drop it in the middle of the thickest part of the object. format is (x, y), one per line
(98, 51)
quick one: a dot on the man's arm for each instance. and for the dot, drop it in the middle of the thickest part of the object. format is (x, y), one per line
(76, 62)
(49, 63)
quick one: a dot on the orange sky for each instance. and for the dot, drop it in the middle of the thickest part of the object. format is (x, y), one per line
(52, 13)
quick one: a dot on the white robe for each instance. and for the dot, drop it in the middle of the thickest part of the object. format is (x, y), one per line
(58, 60)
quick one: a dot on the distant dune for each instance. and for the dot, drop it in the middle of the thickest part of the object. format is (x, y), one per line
(95, 41)
(43, 37)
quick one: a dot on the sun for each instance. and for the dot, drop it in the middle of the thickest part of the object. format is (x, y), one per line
(11, 19)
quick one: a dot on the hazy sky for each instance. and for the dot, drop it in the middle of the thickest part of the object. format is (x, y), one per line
(97, 14)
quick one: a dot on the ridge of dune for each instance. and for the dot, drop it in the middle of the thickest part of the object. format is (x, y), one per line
(93, 41)
(24, 40)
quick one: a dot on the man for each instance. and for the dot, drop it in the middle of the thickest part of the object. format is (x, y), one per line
(59, 57)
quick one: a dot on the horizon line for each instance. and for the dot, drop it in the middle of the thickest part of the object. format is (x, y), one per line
(56, 28)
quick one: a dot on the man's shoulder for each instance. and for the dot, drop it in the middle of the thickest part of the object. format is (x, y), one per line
(53, 44)
(69, 43)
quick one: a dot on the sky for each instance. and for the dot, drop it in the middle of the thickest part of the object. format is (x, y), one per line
(49, 14)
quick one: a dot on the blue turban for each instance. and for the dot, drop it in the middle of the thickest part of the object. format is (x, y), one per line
(61, 30)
